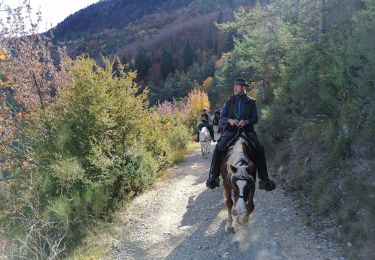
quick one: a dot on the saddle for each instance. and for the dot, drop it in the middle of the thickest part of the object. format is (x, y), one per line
(250, 142)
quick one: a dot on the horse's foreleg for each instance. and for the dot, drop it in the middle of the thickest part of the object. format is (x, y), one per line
(243, 219)
(229, 202)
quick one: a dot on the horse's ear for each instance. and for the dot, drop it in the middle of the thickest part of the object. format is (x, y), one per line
(234, 169)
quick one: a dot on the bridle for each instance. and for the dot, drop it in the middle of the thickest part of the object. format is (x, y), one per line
(235, 192)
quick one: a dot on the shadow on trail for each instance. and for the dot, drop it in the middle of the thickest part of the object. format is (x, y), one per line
(201, 212)
(206, 214)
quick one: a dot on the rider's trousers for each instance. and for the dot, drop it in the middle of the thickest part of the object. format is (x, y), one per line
(222, 147)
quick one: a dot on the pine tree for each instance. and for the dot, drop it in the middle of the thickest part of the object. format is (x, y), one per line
(166, 64)
(188, 56)
(220, 17)
(229, 43)
(142, 64)
(116, 67)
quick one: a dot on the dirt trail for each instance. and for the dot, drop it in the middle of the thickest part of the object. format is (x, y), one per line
(181, 219)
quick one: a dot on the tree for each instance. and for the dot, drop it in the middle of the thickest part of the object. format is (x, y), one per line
(142, 64)
(166, 64)
(220, 17)
(188, 55)
(198, 99)
(207, 83)
(117, 67)
(229, 42)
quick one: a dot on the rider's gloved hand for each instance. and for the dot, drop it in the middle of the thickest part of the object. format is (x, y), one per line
(242, 123)
(233, 122)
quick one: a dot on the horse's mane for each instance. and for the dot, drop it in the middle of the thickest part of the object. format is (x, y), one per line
(238, 158)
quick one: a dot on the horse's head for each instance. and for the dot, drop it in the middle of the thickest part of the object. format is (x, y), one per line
(243, 184)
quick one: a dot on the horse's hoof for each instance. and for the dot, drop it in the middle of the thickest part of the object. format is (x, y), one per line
(243, 220)
(230, 229)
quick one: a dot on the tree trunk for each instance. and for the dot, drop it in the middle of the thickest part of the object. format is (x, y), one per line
(322, 23)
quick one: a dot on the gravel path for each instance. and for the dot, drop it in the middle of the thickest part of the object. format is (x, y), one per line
(181, 219)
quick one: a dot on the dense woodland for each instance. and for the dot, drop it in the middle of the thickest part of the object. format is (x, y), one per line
(310, 64)
(173, 43)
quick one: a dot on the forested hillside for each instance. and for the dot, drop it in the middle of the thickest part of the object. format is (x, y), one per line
(167, 42)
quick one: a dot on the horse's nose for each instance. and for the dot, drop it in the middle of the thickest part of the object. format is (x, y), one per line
(240, 207)
(241, 212)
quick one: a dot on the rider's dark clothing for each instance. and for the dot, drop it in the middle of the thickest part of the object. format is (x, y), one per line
(205, 116)
(239, 107)
(209, 127)
(216, 120)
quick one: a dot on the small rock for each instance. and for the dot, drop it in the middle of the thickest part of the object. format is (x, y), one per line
(185, 227)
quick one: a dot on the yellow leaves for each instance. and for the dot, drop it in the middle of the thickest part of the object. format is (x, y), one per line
(3, 54)
(207, 83)
(253, 93)
(198, 99)
(3, 57)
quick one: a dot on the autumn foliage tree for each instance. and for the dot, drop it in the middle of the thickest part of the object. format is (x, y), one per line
(197, 100)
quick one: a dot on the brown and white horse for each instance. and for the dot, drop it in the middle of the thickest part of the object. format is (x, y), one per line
(239, 174)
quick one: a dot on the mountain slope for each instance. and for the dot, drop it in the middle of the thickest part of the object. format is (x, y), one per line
(107, 26)
(106, 15)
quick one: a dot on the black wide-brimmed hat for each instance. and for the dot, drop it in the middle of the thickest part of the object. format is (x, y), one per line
(240, 82)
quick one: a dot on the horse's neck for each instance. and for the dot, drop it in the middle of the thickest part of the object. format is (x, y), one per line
(238, 146)
(238, 153)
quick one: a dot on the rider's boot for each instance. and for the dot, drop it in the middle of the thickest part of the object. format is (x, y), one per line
(264, 182)
(213, 178)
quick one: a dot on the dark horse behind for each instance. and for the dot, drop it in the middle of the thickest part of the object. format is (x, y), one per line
(239, 174)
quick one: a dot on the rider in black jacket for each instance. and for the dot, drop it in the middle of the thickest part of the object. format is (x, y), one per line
(239, 112)
(204, 123)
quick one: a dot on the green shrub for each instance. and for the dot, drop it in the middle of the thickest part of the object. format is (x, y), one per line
(178, 138)
(98, 145)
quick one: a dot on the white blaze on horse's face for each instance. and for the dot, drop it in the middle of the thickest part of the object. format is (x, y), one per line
(240, 172)
(240, 206)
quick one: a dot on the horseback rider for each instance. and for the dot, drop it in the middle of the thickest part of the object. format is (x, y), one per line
(239, 112)
(216, 121)
(205, 114)
(205, 123)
